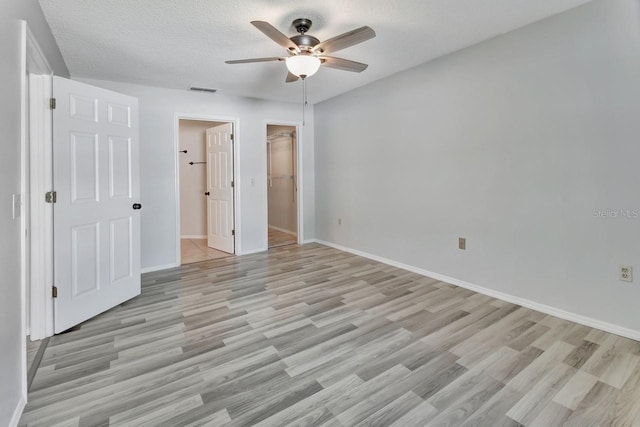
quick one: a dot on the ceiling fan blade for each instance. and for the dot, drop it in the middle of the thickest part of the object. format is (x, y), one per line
(246, 61)
(291, 78)
(274, 34)
(343, 64)
(345, 40)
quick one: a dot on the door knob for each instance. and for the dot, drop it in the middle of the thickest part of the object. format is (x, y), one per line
(207, 193)
(137, 206)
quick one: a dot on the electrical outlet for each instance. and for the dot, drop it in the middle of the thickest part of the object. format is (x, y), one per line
(462, 243)
(339, 221)
(626, 273)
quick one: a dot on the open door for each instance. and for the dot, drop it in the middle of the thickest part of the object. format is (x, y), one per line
(96, 210)
(220, 206)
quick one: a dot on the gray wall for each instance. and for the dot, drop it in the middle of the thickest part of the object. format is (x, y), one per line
(513, 144)
(10, 134)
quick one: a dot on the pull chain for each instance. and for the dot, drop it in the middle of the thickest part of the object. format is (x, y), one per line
(304, 99)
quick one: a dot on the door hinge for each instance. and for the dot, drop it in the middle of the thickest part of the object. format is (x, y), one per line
(233, 232)
(50, 197)
(52, 103)
(231, 136)
(232, 184)
(54, 292)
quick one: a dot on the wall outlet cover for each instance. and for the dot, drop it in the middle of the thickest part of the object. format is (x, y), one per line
(626, 273)
(462, 243)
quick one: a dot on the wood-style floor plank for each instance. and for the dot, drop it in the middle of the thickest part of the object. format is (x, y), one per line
(312, 336)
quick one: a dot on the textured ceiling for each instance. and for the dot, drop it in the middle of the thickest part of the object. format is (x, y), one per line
(182, 43)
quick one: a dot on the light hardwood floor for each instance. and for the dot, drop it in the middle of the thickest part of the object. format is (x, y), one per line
(196, 250)
(280, 238)
(309, 335)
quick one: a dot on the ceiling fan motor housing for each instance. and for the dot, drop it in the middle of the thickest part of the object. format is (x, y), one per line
(303, 40)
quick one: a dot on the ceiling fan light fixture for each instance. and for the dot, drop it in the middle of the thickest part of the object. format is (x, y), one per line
(303, 66)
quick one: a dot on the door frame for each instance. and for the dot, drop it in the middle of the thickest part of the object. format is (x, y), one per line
(236, 172)
(38, 159)
(36, 223)
(299, 178)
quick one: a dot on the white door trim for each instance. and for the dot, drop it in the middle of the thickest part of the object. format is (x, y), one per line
(41, 174)
(32, 128)
(38, 153)
(24, 102)
(299, 179)
(236, 173)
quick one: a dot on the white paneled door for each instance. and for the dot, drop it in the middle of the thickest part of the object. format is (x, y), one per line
(96, 212)
(220, 207)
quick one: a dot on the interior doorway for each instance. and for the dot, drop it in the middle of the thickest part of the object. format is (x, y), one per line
(282, 185)
(206, 190)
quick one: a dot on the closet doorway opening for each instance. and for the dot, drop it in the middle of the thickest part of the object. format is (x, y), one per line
(282, 185)
(207, 205)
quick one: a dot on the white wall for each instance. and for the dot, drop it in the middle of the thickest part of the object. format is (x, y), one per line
(193, 178)
(157, 151)
(11, 73)
(281, 189)
(513, 144)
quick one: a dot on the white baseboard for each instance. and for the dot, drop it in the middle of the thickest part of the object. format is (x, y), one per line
(158, 268)
(293, 233)
(193, 236)
(15, 419)
(304, 242)
(543, 308)
(254, 251)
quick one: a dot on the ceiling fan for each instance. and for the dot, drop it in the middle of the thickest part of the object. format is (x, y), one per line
(306, 53)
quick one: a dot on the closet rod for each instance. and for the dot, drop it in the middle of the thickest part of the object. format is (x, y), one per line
(280, 135)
